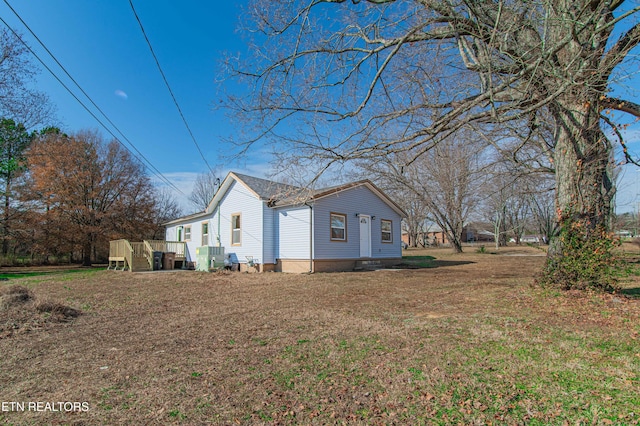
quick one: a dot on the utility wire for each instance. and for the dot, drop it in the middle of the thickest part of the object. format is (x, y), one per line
(184, 120)
(154, 169)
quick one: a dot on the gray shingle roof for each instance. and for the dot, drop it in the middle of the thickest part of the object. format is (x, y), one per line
(268, 189)
(282, 194)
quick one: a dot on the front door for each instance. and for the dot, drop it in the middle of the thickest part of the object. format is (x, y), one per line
(365, 236)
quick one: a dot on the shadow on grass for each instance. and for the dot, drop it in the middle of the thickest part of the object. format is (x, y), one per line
(631, 292)
(424, 262)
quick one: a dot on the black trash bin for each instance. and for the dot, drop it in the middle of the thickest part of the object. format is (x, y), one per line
(157, 260)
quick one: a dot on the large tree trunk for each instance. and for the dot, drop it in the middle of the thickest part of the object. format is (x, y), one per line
(584, 194)
(583, 163)
(454, 235)
(87, 249)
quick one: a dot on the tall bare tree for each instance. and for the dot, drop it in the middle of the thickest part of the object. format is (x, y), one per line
(541, 202)
(417, 215)
(446, 180)
(168, 209)
(19, 99)
(494, 208)
(204, 189)
(363, 78)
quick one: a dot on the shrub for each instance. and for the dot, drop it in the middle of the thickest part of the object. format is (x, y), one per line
(581, 259)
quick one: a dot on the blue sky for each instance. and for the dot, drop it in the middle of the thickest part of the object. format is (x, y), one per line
(101, 45)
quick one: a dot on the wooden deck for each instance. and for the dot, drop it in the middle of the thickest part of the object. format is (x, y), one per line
(138, 256)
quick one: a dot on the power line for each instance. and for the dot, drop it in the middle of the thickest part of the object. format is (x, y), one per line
(184, 120)
(154, 169)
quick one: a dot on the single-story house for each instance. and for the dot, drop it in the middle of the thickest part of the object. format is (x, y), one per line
(269, 226)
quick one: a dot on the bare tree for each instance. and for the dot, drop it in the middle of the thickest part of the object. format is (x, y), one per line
(417, 214)
(541, 202)
(204, 189)
(407, 198)
(375, 77)
(446, 180)
(167, 208)
(19, 100)
(494, 208)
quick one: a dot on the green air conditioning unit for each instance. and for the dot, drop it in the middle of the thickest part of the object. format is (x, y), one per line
(208, 257)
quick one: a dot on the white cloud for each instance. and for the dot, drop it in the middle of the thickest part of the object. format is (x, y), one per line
(121, 94)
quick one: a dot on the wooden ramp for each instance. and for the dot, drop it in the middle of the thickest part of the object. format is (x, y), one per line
(139, 256)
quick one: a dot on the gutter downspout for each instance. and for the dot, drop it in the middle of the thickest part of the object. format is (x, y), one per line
(218, 229)
(310, 237)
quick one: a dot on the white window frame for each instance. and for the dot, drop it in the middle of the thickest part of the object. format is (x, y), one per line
(342, 216)
(383, 232)
(236, 233)
(205, 235)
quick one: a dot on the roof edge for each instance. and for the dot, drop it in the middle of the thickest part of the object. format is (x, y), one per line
(364, 182)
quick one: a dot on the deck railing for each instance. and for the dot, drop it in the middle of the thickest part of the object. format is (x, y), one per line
(157, 245)
(148, 253)
(177, 247)
(121, 250)
(125, 251)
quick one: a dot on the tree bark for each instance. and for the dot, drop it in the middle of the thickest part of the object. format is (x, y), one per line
(86, 250)
(583, 163)
(6, 217)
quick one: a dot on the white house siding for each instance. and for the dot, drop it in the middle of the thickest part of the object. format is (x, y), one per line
(292, 226)
(171, 234)
(350, 202)
(239, 199)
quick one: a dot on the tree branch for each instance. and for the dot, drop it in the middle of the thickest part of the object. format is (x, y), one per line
(621, 105)
(623, 46)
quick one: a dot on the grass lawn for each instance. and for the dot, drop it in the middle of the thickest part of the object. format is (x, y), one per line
(450, 339)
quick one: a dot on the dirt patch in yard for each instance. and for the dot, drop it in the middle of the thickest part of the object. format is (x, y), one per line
(467, 341)
(22, 312)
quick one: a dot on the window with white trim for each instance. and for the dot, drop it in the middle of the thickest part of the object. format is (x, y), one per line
(205, 233)
(236, 230)
(386, 226)
(338, 227)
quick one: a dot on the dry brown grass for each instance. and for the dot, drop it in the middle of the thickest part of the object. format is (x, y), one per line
(16, 295)
(468, 341)
(22, 312)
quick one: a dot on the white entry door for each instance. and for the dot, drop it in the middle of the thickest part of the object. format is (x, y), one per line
(365, 235)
